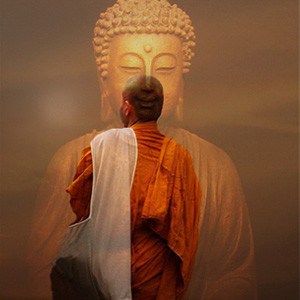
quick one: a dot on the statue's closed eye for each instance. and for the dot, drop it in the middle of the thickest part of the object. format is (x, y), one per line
(165, 68)
(165, 63)
(131, 68)
(131, 63)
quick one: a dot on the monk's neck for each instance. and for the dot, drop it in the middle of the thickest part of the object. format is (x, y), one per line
(144, 125)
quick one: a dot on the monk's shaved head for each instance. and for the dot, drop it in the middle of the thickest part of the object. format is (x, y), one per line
(145, 94)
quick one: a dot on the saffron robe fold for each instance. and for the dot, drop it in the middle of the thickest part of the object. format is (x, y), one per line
(224, 265)
(169, 206)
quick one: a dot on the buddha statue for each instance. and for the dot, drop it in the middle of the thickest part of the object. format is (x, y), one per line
(155, 38)
(149, 37)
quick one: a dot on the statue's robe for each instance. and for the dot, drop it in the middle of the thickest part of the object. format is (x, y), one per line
(164, 215)
(224, 264)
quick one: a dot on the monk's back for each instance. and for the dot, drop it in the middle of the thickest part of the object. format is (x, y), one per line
(149, 251)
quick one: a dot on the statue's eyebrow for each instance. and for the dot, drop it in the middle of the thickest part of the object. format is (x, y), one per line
(166, 54)
(131, 54)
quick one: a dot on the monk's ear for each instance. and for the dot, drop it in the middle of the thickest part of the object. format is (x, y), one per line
(124, 108)
(128, 107)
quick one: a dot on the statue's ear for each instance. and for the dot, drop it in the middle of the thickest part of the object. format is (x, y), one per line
(179, 107)
(106, 112)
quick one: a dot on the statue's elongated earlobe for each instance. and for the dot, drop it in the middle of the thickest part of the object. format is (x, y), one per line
(106, 113)
(179, 110)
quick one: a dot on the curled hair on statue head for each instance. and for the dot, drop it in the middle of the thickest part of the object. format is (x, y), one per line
(145, 94)
(144, 17)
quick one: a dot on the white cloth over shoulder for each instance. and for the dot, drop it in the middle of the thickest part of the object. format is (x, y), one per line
(100, 246)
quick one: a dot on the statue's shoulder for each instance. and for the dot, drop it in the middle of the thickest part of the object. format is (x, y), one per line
(200, 149)
(213, 166)
(71, 151)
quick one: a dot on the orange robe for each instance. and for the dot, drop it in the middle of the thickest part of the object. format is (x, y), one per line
(160, 268)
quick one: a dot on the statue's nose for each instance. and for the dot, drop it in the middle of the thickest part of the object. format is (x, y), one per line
(148, 69)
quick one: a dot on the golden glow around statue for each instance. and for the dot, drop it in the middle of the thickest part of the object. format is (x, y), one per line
(143, 37)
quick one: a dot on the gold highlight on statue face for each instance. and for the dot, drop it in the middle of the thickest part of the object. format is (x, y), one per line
(158, 55)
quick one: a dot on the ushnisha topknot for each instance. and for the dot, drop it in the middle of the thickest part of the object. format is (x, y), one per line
(142, 16)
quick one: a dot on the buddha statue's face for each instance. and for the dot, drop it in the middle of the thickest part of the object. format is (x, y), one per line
(158, 55)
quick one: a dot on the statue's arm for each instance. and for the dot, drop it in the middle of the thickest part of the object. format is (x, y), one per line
(51, 217)
(228, 251)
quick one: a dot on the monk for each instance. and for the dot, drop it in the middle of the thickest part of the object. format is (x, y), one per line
(159, 243)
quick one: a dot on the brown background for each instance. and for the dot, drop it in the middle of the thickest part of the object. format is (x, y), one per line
(241, 95)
